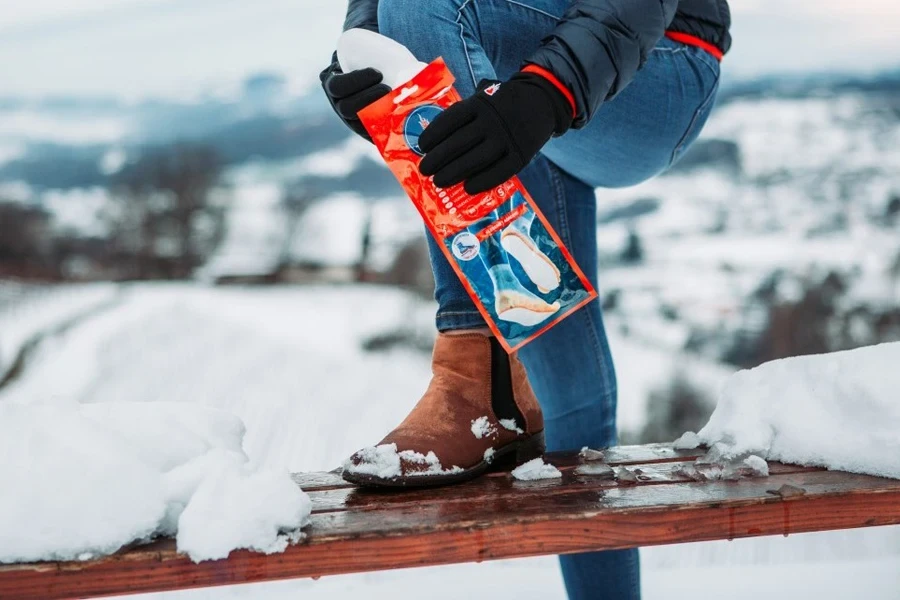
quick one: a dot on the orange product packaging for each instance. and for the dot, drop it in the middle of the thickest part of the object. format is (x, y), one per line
(516, 269)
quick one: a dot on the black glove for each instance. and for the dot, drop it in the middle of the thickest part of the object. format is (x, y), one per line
(487, 138)
(351, 92)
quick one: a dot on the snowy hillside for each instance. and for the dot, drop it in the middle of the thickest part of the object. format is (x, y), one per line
(795, 197)
(30, 312)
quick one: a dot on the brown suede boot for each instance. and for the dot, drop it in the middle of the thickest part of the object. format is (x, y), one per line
(479, 409)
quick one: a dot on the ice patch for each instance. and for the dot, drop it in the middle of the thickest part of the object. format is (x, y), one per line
(90, 479)
(716, 467)
(688, 441)
(757, 465)
(595, 469)
(788, 491)
(535, 469)
(489, 455)
(839, 410)
(510, 425)
(626, 476)
(482, 428)
(589, 454)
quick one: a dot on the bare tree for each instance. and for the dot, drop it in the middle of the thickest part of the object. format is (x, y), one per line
(680, 406)
(164, 195)
(296, 201)
(26, 243)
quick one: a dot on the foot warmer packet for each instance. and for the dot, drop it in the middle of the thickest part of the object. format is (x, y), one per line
(516, 269)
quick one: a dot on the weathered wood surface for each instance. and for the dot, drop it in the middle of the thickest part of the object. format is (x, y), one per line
(494, 517)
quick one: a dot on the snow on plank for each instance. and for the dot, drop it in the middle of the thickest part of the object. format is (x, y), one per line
(354, 530)
(575, 478)
(619, 456)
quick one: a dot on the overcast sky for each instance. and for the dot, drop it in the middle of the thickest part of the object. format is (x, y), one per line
(135, 48)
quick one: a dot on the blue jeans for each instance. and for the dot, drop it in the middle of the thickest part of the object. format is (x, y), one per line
(633, 137)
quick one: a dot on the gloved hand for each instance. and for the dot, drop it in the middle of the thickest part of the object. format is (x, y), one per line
(351, 92)
(491, 136)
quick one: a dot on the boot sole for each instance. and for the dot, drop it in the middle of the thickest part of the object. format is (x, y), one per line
(505, 458)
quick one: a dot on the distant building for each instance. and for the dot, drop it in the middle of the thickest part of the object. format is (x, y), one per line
(256, 231)
(265, 241)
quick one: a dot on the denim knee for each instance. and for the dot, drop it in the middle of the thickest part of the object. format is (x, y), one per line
(413, 22)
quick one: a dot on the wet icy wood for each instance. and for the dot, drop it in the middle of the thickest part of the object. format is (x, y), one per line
(619, 456)
(622, 509)
(320, 481)
(502, 485)
(491, 518)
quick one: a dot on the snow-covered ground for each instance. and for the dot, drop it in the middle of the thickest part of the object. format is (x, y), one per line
(29, 311)
(289, 362)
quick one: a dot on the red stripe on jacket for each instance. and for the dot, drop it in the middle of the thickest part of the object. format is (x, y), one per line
(556, 83)
(692, 40)
(681, 38)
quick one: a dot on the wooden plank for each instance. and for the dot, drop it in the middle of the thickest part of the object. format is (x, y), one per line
(489, 488)
(568, 503)
(507, 525)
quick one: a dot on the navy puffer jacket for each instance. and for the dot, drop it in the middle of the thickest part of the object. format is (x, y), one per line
(599, 45)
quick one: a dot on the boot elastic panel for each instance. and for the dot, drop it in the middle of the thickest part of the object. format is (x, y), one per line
(502, 398)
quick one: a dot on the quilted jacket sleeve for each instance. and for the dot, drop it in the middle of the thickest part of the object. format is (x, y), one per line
(598, 46)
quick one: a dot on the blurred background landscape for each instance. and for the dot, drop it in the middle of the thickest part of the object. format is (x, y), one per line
(182, 218)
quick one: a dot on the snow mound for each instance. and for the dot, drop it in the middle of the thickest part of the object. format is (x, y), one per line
(386, 462)
(535, 469)
(85, 480)
(428, 463)
(688, 441)
(381, 461)
(241, 509)
(482, 428)
(757, 465)
(839, 410)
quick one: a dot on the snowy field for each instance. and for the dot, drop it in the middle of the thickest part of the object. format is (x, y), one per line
(29, 311)
(290, 363)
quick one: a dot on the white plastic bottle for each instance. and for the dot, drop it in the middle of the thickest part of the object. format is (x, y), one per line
(361, 49)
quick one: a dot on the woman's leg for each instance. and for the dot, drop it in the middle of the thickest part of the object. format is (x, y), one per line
(571, 370)
(648, 126)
